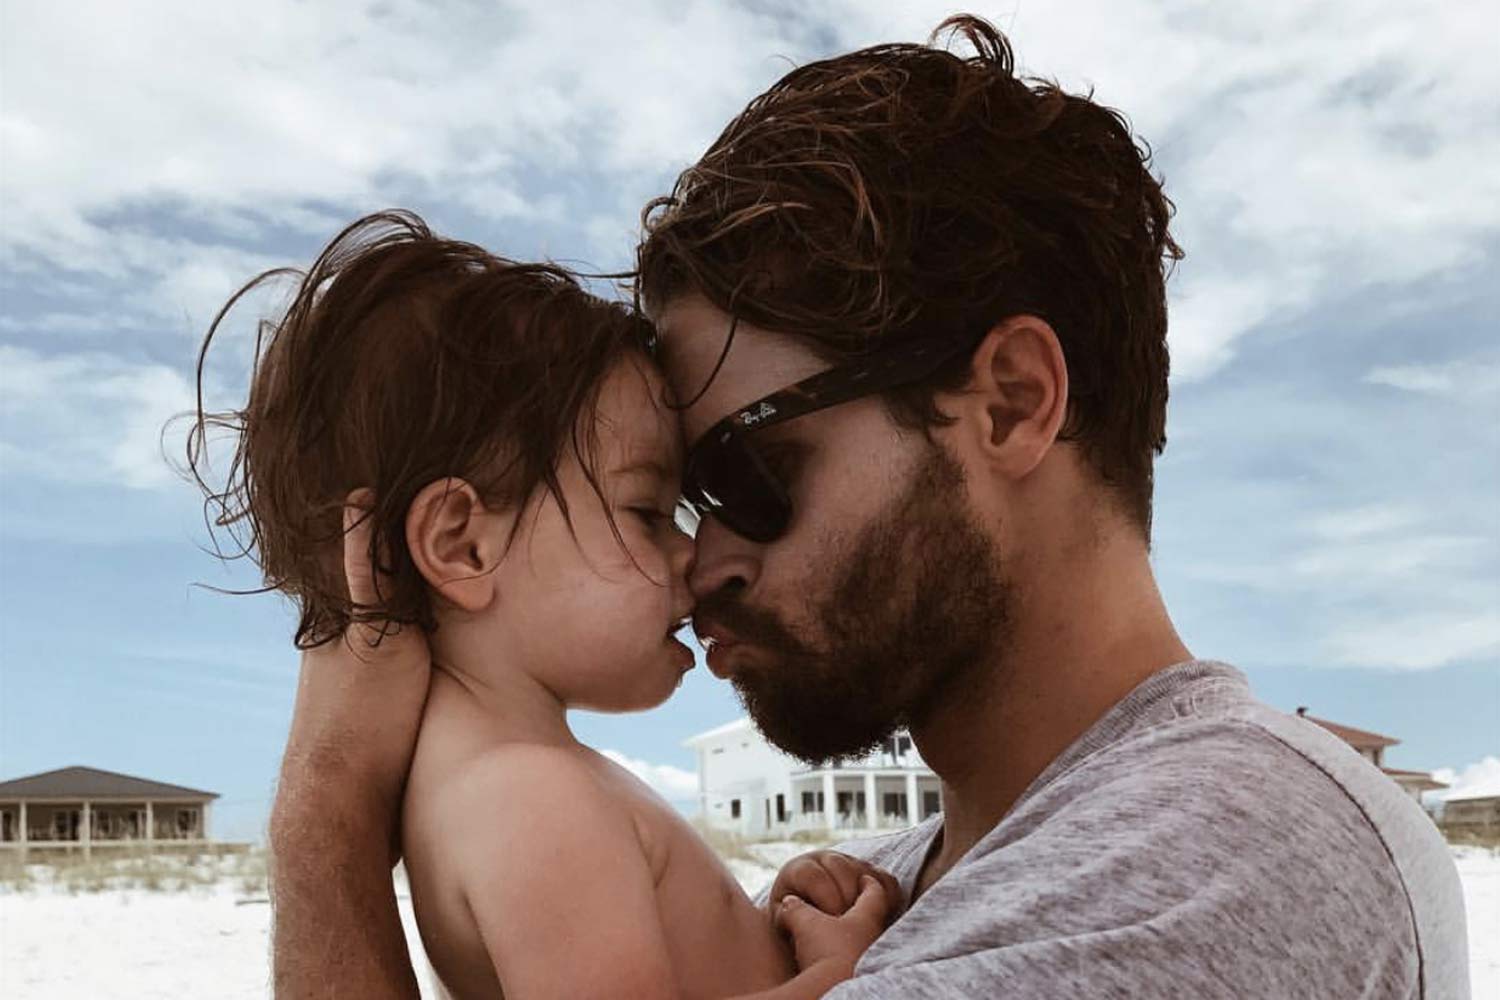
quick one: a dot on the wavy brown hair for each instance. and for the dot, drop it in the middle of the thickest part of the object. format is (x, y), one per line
(902, 191)
(404, 359)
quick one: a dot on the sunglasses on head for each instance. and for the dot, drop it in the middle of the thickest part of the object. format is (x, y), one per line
(726, 478)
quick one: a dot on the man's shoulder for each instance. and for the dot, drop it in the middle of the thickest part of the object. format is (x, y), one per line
(1270, 783)
(1244, 750)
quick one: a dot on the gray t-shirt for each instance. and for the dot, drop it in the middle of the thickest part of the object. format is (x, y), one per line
(1193, 843)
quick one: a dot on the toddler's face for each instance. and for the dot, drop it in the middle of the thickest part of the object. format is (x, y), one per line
(592, 619)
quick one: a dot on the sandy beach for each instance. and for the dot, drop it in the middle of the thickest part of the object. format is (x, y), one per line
(209, 936)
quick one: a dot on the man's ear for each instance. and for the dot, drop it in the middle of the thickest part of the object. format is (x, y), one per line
(1018, 390)
(456, 543)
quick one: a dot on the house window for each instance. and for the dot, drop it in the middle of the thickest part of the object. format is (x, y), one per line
(781, 814)
(851, 802)
(186, 821)
(895, 804)
(903, 744)
(931, 804)
(734, 808)
(812, 802)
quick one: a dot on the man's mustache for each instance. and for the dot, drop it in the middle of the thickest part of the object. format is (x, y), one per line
(723, 610)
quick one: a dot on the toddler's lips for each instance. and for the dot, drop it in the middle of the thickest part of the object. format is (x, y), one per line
(686, 659)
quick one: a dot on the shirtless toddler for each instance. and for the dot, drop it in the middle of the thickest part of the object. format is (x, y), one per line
(494, 442)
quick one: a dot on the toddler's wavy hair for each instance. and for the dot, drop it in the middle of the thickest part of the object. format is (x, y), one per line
(404, 359)
(903, 191)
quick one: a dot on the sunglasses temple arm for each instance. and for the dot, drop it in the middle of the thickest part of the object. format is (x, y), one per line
(842, 384)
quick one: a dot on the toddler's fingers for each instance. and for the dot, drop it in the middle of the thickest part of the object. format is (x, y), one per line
(795, 916)
(872, 904)
(895, 897)
(807, 877)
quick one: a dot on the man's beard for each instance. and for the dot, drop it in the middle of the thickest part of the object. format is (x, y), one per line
(916, 607)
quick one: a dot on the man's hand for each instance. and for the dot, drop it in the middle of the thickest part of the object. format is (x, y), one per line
(334, 823)
(835, 943)
(830, 881)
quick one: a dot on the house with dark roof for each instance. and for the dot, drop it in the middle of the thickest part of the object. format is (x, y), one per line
(1475, 814)
(81, 808)
(1372, 747)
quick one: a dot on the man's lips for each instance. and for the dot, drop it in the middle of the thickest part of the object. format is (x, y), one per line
(718, 643)
(718, 657)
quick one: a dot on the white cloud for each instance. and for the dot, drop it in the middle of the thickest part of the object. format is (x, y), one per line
(1416, 640)
(1409, 596)
(1453, 378)
(1389, 585)
(672, 783)
(1363, 522)
(86, 418)
(1300, 141)
(257, 114)
(1478, 779)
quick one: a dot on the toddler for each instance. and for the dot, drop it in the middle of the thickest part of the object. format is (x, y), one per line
(495, 442)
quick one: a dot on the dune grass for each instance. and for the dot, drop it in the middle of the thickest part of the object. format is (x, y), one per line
(133, 868)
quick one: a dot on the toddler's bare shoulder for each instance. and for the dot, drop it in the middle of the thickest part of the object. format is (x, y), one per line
(529, 790)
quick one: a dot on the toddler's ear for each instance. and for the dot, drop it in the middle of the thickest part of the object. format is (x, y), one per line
(453, 540)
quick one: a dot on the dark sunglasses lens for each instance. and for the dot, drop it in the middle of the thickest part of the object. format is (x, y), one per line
(729, 481)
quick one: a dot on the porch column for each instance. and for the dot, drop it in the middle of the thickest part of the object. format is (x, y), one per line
(23, 828)
(830, 802)
(150, 823)
(88, 831)
(702, 784)
(913, 815)
(872, 808)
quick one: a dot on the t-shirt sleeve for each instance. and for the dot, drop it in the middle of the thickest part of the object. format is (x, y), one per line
(1235, 868)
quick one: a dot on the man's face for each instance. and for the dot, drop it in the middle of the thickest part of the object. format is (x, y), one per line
(884, 593)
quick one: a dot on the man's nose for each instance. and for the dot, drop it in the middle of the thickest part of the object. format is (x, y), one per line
(723, 559)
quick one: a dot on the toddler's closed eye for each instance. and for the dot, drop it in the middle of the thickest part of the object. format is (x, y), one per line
(651, 515)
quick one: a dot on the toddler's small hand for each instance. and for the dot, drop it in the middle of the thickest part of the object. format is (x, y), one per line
(837, 941)
(830, 881)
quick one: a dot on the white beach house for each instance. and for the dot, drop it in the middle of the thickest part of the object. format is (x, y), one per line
(747, 786)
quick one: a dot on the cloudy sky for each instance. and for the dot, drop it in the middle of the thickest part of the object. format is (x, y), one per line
(1327, 507)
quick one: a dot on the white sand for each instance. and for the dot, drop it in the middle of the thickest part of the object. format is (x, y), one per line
(1480, 871)
(213, 941)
